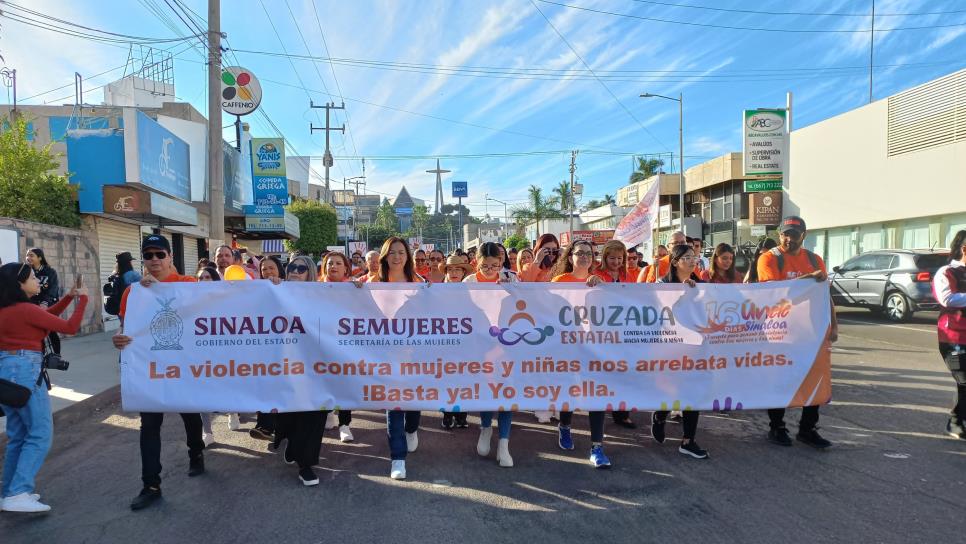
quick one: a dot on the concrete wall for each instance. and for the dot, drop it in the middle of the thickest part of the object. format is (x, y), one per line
(69, 252)
(841, 174)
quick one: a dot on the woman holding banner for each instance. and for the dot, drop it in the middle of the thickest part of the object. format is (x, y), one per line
(576, 266)
(490, 268)
(681, 270)
(335, 268)
(303, 430)
(455, 270)
(524, 258)
(546, 253)
(396, 265)
(722, 267)
(269, 268)
(613, 258)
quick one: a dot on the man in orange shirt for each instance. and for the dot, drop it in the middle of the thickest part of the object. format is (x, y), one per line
(633, 263)
(660, 267)
(156, 253)
(791, 261)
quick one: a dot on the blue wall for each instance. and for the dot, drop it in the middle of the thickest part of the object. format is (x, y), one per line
(95, 158)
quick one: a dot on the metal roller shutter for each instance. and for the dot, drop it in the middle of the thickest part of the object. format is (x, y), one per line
(114, 237)
(190, 256)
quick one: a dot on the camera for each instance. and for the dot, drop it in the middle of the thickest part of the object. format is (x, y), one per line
(55, 362)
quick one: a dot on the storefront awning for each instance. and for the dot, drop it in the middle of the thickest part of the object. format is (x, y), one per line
(147, 207)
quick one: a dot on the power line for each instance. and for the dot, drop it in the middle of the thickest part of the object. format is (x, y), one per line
(751, 29)
(315, 11)
(798, 13)
(602, 84)
(54, 24)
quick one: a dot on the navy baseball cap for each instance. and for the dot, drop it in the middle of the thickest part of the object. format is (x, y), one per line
(156, 241)
(792, 222)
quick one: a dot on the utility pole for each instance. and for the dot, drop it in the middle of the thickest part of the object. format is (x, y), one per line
(327, 157)
(216, 168)
(573, 170)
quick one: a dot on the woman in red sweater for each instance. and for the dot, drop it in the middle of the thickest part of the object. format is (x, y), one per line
(23, 327)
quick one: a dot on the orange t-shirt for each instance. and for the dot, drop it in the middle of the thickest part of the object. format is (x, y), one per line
(173, 278)
(480, 278)
(569, 278)
(794, 266)
(608, 278)
(663, 265)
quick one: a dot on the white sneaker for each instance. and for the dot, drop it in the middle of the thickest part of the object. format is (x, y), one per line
(543, 416)
(208, 439)
(503, 453)
(234, 422)
(483, 444)
(412, 441)
(24, 502)
(331, 421)
(398, 470)
(345, 434)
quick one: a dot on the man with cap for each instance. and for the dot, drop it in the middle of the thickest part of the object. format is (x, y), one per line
(159, 265)
(791, 261)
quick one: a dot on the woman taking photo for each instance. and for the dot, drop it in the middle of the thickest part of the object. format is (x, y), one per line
(396, 265)
(949, 284)
(576, 266)
(490, 261)
(335, 268)
(613, 259)
(546, 253)
(722, 267)
(23, 327)
(681, 270)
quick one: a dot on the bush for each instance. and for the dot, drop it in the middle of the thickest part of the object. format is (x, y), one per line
(318, 227)
(516, 241)
(28, 189)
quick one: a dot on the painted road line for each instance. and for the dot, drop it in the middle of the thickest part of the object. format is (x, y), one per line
(931, 330)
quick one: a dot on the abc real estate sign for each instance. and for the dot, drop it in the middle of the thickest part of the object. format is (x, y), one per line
(765, 142)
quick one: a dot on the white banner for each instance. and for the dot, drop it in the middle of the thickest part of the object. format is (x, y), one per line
(358, 247)
(635, 228)
(247, 346)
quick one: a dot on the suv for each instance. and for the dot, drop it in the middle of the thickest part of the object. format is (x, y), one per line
(895, 282)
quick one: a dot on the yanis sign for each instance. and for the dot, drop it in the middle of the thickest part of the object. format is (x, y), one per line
(269, 181)
(764, 142)
(240, 91)
(468, 347)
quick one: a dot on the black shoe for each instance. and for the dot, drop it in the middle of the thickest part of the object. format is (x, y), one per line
(693, 449)
(196, 466)
(447, 421)
(779, 436)
(260, 434)
(657, 429)
(308, 477)
(627, 423)
(954, 428)
(288, 457)
(146, 498)
(461, 422)
(675, 417)
(813, 439)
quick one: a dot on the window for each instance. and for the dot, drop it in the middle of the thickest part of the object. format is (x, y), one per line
(857, 264)
(884, 262)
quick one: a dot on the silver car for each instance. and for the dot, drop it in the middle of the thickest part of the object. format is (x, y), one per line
(894, 282)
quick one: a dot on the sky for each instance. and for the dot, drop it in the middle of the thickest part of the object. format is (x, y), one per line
(523, 81)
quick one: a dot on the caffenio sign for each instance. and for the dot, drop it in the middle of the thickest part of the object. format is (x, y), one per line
(240, 91)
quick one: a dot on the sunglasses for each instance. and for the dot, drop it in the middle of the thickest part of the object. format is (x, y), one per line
(296, 269)
(149, 255)
(580, 254)
(553, 251)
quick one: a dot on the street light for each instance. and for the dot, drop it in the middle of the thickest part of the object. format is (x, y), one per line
(506, 216)
(680, 101)
(346, 223)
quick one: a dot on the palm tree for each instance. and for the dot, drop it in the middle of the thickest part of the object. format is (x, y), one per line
(537, 208)
(608, 199)
(562, 196)
(646, 168)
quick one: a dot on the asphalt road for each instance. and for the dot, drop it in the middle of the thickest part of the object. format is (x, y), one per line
(892, 476)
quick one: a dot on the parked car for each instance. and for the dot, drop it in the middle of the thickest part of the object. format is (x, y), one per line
(894, 282)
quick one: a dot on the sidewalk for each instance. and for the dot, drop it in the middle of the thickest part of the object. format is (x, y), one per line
(93, 369)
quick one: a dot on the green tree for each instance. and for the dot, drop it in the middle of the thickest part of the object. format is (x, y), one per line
(646, 168)
(318, 227)
(375, 235)
(537, 209)
(386, 216)
(28, 188)
(420, 217)
(562, 196)
(516, 241)
(608, 199)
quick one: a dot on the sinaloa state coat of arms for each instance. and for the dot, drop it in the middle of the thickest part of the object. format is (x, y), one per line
(166, 327)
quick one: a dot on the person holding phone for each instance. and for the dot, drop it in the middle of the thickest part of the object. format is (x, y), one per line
(546, 252)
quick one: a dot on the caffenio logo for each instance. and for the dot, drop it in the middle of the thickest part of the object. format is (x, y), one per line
(521, 328)
(268, 157)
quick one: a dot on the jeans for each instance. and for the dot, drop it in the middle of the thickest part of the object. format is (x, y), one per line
(503, 422)
(30, 429)
(400, 423)
(689, 422)
(776, 417)
(955, 357)
(596, 424)
(151, 444)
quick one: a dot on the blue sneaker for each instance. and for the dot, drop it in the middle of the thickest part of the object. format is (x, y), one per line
(565, 441)
(597, 457)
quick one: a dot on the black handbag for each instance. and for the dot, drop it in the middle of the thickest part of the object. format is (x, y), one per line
(13, 394)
